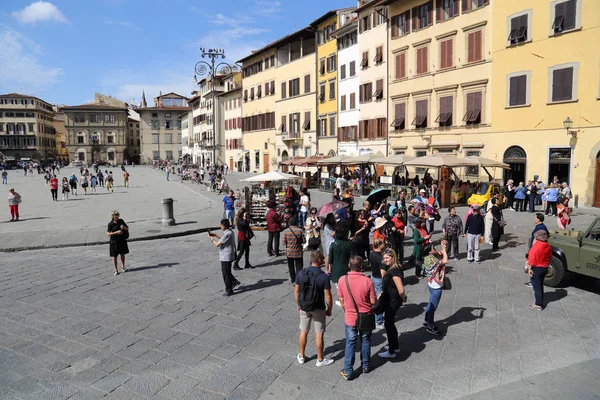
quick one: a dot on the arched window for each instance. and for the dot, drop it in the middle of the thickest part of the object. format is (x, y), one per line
(515, 154)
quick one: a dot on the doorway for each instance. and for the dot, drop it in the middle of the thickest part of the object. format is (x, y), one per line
(266, 162)
(516, 157)
(284, 157)
(559, 164)
(597, 182)
(231, 163)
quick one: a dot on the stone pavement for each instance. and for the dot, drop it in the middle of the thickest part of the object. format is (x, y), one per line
(70, 330)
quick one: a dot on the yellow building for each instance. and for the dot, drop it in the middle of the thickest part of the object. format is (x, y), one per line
(327, 79)
(61, 136)
(546, 68)
(439, 68)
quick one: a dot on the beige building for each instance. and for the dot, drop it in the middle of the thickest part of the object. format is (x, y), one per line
(160, 128)
(439, 69)
(134, 139)
(26, 128)
(96, 133)
(230, 107)
(62, 153)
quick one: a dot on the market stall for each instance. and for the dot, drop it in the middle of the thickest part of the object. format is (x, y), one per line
(271, 186)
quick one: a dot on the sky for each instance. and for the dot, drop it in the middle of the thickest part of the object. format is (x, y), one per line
(63, 51)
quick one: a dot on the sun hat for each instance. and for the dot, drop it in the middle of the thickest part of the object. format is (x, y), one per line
(379, 222)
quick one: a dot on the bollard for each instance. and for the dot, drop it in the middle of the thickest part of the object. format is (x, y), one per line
(173, 168)
(167, 217)
(576, 201)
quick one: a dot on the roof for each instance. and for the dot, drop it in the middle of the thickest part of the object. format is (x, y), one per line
(237, 89)
(167, 94)
(163, 109)
(371, 4)
(300, 33)
(22, 96)
(328, 15)
(346, 28)
(93, 107)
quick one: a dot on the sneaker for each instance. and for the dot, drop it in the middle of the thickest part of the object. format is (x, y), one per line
(433, 331)
(271, 255)
(535, 307)
(237, 268)
(387, 354)
(227, 294)
(115, 273)
(236, 283)
(470, 261)
(300, 359)
(424, 326)
(337, 303)
(366, 370)
(528, 284)
(123, 270)
(345, 376)
(379, 326)
(324, 362)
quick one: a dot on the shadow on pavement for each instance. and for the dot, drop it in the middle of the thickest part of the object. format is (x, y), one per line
(557, 295)
(260, 284)
(186, 223)
(161, 265)
(25, 219)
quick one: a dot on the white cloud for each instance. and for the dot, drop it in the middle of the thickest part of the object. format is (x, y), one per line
(124, 24)
(267, 7)
(20, 68)
(39, 11)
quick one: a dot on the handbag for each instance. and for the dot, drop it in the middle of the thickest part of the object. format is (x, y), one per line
(437, 217)
(249, 234)
(447, 284)
(314, 243)
(501, 223)
(379, 306)
(364, 321)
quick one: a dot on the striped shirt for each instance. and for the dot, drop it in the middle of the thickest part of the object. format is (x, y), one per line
(292, 240)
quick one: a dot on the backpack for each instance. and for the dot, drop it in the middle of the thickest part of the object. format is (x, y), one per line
(308, 295)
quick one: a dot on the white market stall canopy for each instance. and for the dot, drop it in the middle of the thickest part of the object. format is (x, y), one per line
(272, 176)
(436, 161)
(396, 160)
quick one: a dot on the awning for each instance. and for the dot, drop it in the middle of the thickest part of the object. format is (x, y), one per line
(397, 160)
(435, 161)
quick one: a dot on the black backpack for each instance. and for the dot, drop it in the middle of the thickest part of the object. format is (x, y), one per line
(308, 296)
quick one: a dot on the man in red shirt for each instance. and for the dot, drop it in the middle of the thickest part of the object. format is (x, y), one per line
(362, 296)
(274, 228)
(54, 187)
(538, 259)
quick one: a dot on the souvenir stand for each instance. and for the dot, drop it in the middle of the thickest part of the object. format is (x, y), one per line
(264, 188)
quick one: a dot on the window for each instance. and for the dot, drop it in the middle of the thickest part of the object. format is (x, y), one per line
(517, 90)
(445, 113)
(422, 16)
(169, 155)
(365, 60)
(306, 124)
(473, 111)
(322, 92)
(378, 89)
(420, 120)
(332, 125)
(259, 91)
(28, 115)
(322, 127)
(518, 29)
(30, 127)
(446, 54)
(251, 93)
(352, 101)
(322, 66)
(422, 60)
(565, 16)
(365, 23)
(343, 103)
(400, 67)
(331, 63)
(295, 123)
(378, 55)
(366, 92)
(169, 138)
(563, 82)
(352, 68)
(400, 25)
(331, 90)
(474, 49)
(109, 118)
(173, 102)
(95, 118)
(272, 59)
(155, 138)
(110, 139)
(306, 84)
(282, 127)
(307, 152)
(473, 170)
(80, 139)
(79, 117)
(379, 17)
(446, 9)
(169, 124)
(9, 114)
(1, 127)
(283, 85)
(399, 116)
(471, 5)
(272, 86)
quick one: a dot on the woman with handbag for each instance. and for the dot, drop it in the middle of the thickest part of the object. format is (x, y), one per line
(245, 234)
(498, 224)
(118, 232)
(392, 297)
(312, 230)
(435, 268)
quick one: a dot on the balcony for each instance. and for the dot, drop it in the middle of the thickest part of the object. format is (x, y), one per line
(291, 136)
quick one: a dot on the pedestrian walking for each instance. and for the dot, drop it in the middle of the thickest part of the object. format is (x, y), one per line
(357, 297)
(126, 178)
(378, 270)
(538, 220)
(538, 261)
(14, 199)
(118, 232)
(293, 240)
(312, 231)
(420, 239)
(93, 183)
(109, 183)
(84, 184)
(245, 234)
(531, 195)
(340, 252)
(226, 245)
(452, 227)
(65, 188)
(474, 230)
(100, 176)
(54, 188)
(312, 291)
(304, 207)
(5, 177)
(47, 177)
(435, 268)
(392, 296)
(229, 207)
(73, 183)
(168, 172)
(273, 229)
(520, 196)
(497, 225)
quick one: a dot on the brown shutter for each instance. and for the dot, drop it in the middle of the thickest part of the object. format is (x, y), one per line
(394, 29)
(352, 101)
(465, 6)
(283, 123)
(397, 110)
(478, 101)
(470, 47)
(522, 90)
(332, 127)
(425, 61)
(318, 126)
(306, 83)
(283, 90)
(398, 66)
(307, 120)
(449, 53)
(324, 126)
(569, 14)
(291, 125)
(403, 65)
(430, 13)
(343, 103)
(343, 71)
(456, 8)
(419, 70)
(352, 68)
(478, 46)
(513, 90)
(267, 89)
(407, 21)
(443, 55)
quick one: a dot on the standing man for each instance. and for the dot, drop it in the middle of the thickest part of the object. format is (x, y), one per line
(229, 207)
(311, 290)
(452, 227)
(538, 219)
(357, 295)
(126, 178)
(474, 228)
(532, 193)
(273, 228)
(5, 177)
(293, 239)
(566, 190)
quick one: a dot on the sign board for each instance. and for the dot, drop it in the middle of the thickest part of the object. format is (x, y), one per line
(324, 174)
(385, 179)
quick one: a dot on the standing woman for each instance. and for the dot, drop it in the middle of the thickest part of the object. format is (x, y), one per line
(226, 245)
(394, 297)
(312, 230)
(489, 221)
(509, 192)
(497, 230)
(564, 214)
(552, 199)
(520, 195)
(54, 187)
(14, 199)
(329, 237)
(93, 183)
(340, 252)
(361, 236)
(84, 183)
(65, 188)
(420, 239)
(244, 236)
(435, 267)
(118, 232)
(538, 260)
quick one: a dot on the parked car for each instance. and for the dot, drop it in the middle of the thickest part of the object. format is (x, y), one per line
(574, 251)
(484, 192)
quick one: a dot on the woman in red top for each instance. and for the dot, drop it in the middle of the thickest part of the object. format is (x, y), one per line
(54, 187)
(379, 229)
(538, 260)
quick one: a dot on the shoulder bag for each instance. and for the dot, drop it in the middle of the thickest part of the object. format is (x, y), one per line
(501, 222)
(364, 321)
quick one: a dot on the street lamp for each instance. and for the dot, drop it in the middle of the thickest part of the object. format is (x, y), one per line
(210, 70)
(421, 132)
(568, 123)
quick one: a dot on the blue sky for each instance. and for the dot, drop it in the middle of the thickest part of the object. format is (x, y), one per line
(65, 50)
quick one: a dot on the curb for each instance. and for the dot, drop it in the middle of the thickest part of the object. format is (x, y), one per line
(98, 243)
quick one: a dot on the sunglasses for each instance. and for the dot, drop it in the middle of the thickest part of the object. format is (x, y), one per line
(313, 213)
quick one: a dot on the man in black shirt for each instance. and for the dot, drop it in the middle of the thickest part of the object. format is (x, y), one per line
(378, 269)
(474, 228)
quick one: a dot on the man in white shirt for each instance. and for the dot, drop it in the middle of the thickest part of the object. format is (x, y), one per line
(304, 207)
(340, 182)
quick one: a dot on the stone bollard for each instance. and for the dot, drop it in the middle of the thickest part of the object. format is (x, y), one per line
(576, 201)
(167, 217)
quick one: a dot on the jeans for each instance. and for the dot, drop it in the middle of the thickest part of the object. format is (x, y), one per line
(365, 348)
(4, 180)
(302, 219)
(434, 300)
(519, 206)
(377, 284)
(473, 247)
(273, 237)
(537, 280)
(390, 327)
(551, 205)
(453, 244)
(531, 204)
(54, 194)
(228, 278)
(431, 225)
(298, 264)
(243, 248)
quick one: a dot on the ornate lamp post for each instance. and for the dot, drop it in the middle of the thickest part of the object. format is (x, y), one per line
(210, 70)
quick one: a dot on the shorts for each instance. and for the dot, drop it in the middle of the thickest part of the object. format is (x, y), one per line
(316, 316)
(229, 214)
